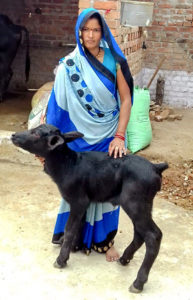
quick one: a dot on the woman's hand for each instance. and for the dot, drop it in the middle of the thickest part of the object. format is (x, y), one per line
(117, 145)
(117, 148)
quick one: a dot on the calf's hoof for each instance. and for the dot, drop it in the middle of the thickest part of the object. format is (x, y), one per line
(59, 266)
(123, 261)
(132, 289)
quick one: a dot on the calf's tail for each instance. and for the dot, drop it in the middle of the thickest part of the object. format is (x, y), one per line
(161, 167)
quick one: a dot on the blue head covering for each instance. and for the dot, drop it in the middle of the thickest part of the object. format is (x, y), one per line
(109, 41)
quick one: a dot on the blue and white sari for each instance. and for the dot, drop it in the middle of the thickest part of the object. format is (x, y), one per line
(85, 99)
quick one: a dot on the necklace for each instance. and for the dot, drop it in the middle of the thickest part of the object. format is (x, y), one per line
(98, 52)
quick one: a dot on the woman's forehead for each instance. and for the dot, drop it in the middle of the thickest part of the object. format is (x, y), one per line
(93, 23)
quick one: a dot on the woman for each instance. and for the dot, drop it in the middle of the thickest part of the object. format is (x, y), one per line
(92, 94)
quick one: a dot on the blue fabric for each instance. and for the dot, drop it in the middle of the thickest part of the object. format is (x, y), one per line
(61, 222)
(91, 108)
(109, 61)
(99, 231)
(92, 233)
(85, 98)
(61, 119)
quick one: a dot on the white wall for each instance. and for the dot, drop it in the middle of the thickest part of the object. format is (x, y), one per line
(178, 90)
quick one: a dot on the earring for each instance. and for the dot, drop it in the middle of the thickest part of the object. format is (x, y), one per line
(80, 37)
(81, 41)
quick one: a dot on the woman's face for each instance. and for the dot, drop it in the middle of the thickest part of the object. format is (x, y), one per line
(91, 34)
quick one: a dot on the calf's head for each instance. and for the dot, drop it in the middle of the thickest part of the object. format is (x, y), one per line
(43, 139)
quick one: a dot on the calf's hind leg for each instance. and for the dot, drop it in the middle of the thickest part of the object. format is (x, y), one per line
(152, 237)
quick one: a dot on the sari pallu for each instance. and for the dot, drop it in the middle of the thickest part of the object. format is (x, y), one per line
(85, 98)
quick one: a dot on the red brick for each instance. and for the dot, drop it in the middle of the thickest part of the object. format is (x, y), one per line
(186, 29)
(161, 23)
(164, 5)
(113, 23)
(170, 28)
(58, 1)
(113, 15)
(189, 18)
(84, 3)
(106, 5)
(161, 50)
(180, 12)
(157, 28)
(187, 24)
(47, 1)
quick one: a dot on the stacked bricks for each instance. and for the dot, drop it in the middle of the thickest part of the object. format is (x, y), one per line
(171, 35)
(133, 48)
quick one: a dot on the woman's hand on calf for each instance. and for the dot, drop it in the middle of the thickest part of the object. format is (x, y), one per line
(117, 148)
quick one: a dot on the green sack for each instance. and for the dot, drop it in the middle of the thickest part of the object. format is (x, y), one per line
(139, 131)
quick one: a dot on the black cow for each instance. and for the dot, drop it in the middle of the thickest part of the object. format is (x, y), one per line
(10, 39)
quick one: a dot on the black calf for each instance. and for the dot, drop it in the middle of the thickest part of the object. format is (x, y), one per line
(130, 181)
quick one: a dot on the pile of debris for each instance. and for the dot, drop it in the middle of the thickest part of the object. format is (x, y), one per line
(160, 113)
(177, 185)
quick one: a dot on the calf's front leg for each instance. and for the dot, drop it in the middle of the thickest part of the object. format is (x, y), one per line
(131, 249)
(72, 227)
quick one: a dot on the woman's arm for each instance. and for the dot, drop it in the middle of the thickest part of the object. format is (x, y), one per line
(117, 146)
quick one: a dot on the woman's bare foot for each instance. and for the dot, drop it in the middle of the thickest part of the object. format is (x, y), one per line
(112, 254)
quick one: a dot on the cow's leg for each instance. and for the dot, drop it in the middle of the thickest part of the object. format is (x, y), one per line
(131, 249)
(152, 237)
(7, 80)
(5, 76)
(9, 76)
(1, 87)
(71, 229)
(145, 230)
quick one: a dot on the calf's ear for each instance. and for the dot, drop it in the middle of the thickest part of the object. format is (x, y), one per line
(72, 135)
(54, 141)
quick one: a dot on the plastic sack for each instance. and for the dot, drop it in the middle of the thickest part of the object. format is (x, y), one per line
(39, 105)
(139, 131)
(44, 89)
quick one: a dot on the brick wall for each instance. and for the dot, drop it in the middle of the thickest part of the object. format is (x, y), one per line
(55, 25)
(50, 22)
(51, 36)
(171, 35)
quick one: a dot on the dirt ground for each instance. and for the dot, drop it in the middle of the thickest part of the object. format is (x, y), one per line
(29, 206)
(172, 142)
